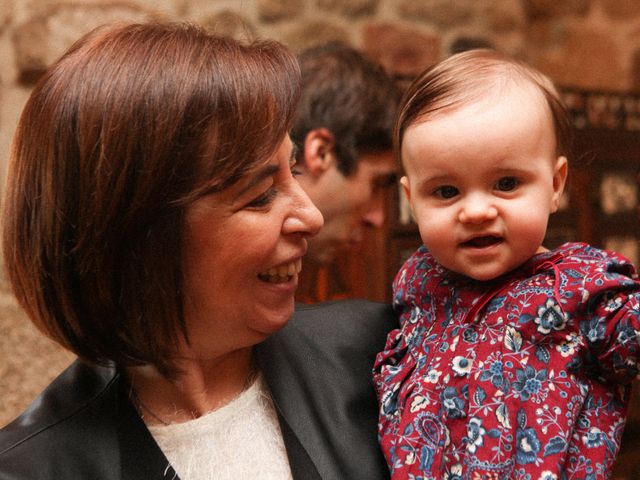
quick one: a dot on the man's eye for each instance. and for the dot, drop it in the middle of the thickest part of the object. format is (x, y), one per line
(263, 200)
(446, 192)
(507, 184)
(385, 181)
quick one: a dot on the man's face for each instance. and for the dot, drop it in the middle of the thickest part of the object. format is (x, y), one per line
(350, 204)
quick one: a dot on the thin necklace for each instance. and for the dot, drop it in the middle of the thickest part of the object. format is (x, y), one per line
(135, 399)
(141, 406)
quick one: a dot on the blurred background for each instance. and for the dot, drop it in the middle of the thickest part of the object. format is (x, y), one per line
(590, 48)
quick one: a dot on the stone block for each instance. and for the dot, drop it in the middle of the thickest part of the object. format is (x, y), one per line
(276, 10)
(539, 9)
(400, 50)
(621, 9)
(229, 23)
(311, 33)
(43, 38)
(587, 58)
(349, 8)
(443, 13)
(503, 16)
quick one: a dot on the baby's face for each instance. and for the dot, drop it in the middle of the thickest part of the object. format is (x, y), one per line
(482, 180)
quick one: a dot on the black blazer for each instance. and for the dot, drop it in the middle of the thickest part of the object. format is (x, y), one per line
(318, 369)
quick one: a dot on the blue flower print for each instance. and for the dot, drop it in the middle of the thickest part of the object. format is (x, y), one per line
(452, 403)
(626, 334)
(547, 475)
(550, 317)
(583, 422)
(612, 301)
(470, 335)
(529, 382)
(426, 458)
(461, 366)
(593, 438)
(455, 473)
(431, 431)
(568, 347)
(527, 445)
(495, 372)
(593, 330)
(475, 433)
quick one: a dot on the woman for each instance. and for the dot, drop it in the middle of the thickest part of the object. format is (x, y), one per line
(153, 227)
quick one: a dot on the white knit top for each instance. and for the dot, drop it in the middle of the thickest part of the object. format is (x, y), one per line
(241, 440)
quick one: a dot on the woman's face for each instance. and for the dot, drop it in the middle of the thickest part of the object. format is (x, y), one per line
(242, 253)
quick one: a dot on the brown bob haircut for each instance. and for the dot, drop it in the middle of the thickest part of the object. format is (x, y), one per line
(463, 78)
(118, 138)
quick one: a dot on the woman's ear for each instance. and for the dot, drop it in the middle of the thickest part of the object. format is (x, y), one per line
(319, 153)
(560, 172)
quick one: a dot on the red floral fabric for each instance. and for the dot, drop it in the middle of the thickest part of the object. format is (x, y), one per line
(524, 377)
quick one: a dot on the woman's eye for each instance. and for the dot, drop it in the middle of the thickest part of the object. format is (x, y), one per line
(507, 184)
(263, 200)
(446, 192)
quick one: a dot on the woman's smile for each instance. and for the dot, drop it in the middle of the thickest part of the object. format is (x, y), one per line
(282, 273)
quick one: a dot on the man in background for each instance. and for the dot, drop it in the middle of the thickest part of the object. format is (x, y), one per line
(343, 131)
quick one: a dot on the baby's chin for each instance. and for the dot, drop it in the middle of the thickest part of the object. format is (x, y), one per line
(486, 275)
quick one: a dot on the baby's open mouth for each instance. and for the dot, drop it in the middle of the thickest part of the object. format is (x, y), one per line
(482, 241)
(281, 273)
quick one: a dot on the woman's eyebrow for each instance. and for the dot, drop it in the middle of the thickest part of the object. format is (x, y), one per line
(264, 172)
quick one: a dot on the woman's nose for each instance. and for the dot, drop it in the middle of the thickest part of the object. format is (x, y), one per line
(304, 218)
(477, 209)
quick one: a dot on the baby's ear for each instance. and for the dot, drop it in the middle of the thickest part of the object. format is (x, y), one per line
(404, 181)
(560, 171)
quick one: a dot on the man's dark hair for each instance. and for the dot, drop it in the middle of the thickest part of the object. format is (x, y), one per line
(349, 95)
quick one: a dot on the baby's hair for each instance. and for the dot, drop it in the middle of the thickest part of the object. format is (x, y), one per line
(464, 77)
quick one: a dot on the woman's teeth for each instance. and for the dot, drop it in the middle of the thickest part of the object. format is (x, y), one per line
(282, 273)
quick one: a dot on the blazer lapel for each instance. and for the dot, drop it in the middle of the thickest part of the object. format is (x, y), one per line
(305, 446)
(302, 466)
(140, 456)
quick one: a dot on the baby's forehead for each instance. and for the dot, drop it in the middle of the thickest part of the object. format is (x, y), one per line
(488, 87)
(524, 99)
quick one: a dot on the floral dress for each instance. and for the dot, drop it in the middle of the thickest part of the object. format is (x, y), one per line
(523, 377)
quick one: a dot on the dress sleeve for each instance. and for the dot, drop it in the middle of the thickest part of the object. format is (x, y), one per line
(395, 363)
(609, 320)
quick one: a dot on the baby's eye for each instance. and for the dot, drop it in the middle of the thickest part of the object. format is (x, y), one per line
(507, 184)
(263, 200)
(446, 192)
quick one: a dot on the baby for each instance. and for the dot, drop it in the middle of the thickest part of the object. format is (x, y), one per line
(511, 361)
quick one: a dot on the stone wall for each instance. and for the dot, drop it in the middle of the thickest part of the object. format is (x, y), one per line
(583, 43)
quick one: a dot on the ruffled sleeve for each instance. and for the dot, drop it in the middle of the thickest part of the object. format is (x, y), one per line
(394, 365)
(604, 288)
